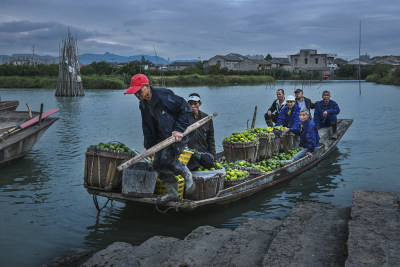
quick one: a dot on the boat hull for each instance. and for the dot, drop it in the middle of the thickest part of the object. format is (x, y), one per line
(17, 145)
(249, 187)
(9, 105)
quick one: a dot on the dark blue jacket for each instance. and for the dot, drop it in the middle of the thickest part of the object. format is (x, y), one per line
(332, 108)
(309, 137)
(171, 113)
(291, 121)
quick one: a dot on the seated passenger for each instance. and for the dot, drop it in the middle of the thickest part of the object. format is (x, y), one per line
(309, 137)
(202, 139)
(272, 114)
(325, 113)
(289, 115)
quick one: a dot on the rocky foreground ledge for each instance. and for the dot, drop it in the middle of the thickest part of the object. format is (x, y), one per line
(314, 234)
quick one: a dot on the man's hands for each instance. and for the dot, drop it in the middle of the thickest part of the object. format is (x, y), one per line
(178, 136)
(287, 130)
(269, 113)
(309, 154)
(325, 113)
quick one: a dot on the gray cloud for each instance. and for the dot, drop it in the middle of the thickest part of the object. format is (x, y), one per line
(191, 29)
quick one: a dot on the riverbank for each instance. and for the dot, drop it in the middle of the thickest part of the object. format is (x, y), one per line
(121, 82)
(314, 234)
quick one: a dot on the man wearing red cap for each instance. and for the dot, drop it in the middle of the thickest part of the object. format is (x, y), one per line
(164, 114)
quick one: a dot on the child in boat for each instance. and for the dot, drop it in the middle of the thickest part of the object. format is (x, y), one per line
(309, 137)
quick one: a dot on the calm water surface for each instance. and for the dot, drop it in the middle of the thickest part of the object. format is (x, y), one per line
(45, 209)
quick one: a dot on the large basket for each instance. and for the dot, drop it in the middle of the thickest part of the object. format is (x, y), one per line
(208, 184)
(162, 190)
(101, 168)
(240, 151)
(286, 142)
(265, 146)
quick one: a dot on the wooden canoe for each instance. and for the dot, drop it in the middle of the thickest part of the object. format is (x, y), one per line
(9, 105)
(249, 187)
(17, 145)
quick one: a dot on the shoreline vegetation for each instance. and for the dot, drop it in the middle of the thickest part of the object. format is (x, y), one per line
(103, 75)
(119, 82)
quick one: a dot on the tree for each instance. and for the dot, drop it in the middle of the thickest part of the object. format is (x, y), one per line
(268, 57)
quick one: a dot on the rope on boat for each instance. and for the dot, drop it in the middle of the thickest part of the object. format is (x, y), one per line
(167, 209)
(96, 203)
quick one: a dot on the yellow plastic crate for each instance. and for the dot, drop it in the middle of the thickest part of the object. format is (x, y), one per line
(185, 156)
(161, 189)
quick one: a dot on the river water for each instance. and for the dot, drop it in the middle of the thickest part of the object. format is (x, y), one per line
(45, 210)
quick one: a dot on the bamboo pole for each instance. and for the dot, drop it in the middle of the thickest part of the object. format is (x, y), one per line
(169, 141)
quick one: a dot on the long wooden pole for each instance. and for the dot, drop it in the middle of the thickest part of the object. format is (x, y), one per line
(169, 141)
(254, 118)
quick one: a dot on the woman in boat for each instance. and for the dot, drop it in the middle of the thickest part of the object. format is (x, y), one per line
(289, 115)
(309, 137)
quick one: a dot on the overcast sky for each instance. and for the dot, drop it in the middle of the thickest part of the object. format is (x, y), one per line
(193, 29)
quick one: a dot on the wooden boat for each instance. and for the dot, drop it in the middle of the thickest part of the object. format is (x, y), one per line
(17, 145)
(9, 105)
(246, 188)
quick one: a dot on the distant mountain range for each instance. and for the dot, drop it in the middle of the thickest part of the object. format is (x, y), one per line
(89, 58)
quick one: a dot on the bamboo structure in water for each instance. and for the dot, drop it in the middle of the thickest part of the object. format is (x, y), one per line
(69, 80)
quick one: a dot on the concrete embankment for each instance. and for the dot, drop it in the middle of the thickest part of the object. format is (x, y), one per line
(314, 234)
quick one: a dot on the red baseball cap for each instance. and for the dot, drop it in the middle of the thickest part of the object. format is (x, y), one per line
(136, 83)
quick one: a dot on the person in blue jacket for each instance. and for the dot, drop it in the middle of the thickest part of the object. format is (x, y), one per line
(309, 137)
(289, 115)
(325, 113)
(164, 114)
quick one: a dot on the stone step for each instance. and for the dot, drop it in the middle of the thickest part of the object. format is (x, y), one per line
(315, 234)
(205, 246)
(374, 229)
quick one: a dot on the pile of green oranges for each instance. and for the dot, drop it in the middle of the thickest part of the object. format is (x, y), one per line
(217, 166)
(118, 146)
(261, 131)
(233, 174)
(243, 137)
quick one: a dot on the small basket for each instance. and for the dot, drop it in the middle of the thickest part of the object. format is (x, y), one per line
(162, 190)
(185, 156)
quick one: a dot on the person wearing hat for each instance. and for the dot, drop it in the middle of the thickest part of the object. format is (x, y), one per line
(289, 115)
(202, 141)
(164, 114)
(325, 113)
(303, 102)
(276, 107)
(203, 138)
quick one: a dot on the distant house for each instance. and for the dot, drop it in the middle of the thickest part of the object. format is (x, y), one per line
(180, 65)
(229, 61)
(339, 62)
(278, 62)
(309, 60)
(250, 64)
(357, 61)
